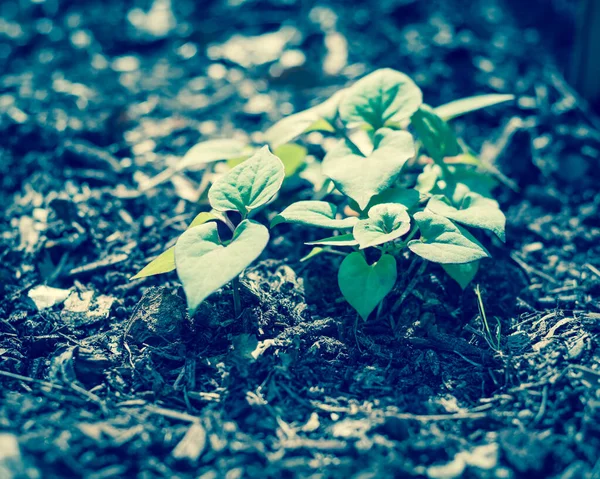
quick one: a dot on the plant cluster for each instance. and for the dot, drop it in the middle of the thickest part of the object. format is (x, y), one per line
(376, 210)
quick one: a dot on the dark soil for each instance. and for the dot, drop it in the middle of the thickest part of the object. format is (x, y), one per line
(127, 385)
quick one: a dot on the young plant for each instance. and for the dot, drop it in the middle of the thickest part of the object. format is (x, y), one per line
(203, 261)
(385, 216)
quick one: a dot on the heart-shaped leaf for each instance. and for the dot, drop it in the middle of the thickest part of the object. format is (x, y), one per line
(205, 265)
(467, 105)
(444, 242)
(386, 222)
(463, 274)
(209, 151)
(165, 262)
(473, 210)
(361, 177)
(383, 96)
(339, 240)
(364, 286)
(436, 135)
(318, 117)
(249, 185)
(313, 213)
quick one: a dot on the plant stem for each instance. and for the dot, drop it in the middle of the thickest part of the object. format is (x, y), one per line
(237, 303)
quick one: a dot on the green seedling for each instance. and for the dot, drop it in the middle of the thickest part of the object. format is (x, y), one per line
(385, 214)
(204, 262)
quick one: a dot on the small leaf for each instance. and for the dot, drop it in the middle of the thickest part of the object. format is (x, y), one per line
(209, 151)
(364, 286)
(463, 274)
(340, 240)
(386, 222)
(202, 218)
(313, 213)
(316, 251)
(436, 135)
(473, 210)
(163, 263)
(249, 185)
(292, 156)
(205, 265)
(444, 242)
(427, 180)
(383, 96)
(467, 105)
(361, 177)
(318, 117)
(401, 196)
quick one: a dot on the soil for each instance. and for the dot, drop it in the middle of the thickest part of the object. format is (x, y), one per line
(117, 381)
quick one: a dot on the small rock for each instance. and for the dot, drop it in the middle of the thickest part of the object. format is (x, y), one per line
(83, 309)
(159, 316)
(45, 296)
(11, 462)
(192, 445)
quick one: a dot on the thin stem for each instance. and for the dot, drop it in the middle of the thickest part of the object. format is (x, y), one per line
(228, 222)
(237, 303)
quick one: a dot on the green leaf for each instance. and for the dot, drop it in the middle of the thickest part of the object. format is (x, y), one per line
(463, 274)
(316, 251)
(401, 196)
(318, 117)
(163, 263)
(361, 177)
(436, 135)
(249, 185)
(292, 156)
(205, 265)
(386, 222)
(444, 242)
(428, 178)
(202, 218)
(473, 210)
(467, 105)
(383, 96)
(313, 213)
(339, 240)
(209, 151)
(364, 286)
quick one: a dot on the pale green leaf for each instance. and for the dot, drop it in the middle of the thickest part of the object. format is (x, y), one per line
(463, 274)
(364, 286)
(444, 242)
(467, 105)
(317, 117)
(202, 218)
(472, 210)
(361, 177)
(163, 263)
(249, 185)
(313, 213)
(205, 265)
(339, 240)
(292, 156)
(383, 96)
(386, 222)
(316, 251)
(210, 151)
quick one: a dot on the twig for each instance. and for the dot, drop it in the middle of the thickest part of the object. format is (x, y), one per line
(531, 270)
(410, 287)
